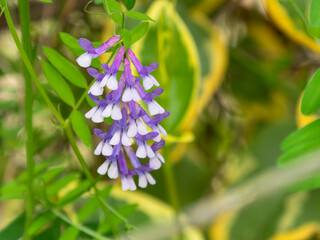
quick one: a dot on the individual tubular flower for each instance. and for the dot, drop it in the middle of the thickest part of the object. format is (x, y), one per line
(136, 132)
(85, 59)
(144, 71)
(110, 77)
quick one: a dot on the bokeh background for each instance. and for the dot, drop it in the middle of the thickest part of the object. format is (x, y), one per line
(233, 74)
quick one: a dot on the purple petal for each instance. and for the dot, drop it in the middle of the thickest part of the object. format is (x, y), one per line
(156, 93)
(93, 72)
(98, 132)
(158, 118)
(135, 61)
(146, 137)
(114, 68)
(123, 121)
(123, 168)
(127, 71)
(105, 67)
(86, 45)
(152, 67)
(108, 44)
(95, 99)
(157, 145)
(133, 158)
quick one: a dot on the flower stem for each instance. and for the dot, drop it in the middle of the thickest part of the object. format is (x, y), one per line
(65, 124)
(28, 65)
(86, 170)
(28, 100)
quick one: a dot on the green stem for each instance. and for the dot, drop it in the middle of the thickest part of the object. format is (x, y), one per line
(28, 100)
(86, 170)
(28, 65)
(82, 228)
(65, 124)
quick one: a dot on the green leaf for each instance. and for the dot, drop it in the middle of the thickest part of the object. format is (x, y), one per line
(113, 6)
(170, 43)
(46, 1)
(70, 233)
(72, 43)
(67, 69)
(126, 37)
(14, 230)
(129, 3)
(50, 174)
(138, 16)
(40, 222)
(314, 13)
(75, 193)
(57, 82)
(298, 151)
(301, 136)
(125, 211)
(92, 205)
(138, 31)
(12, 190)
(314, 31)
(81, 128)
(118, 18)
(311, 97)
(61, 183)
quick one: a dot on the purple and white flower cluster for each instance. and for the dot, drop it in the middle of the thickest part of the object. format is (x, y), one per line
(133, 128)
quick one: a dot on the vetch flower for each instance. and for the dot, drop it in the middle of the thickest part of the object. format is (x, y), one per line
(85, 59)
(136, 132)
(110, 78)
(144, 71)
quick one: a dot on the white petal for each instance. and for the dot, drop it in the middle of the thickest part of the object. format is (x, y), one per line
(95, 89)
(147, 82)
(125, 183)
(150, 178)
(150, 152)
(141, 151)
(142, 180)
(153, 108)
(90, 113)
(162, 130)
(107, 111)
(112, 83)
(98, 149)
(160, 157)
(154, 163)
(104, 80)
(116, 112)
(126, 141)
(132, 184)
(107, 149)
(158, 137)
(142, 130)
(97, 117)
(133, 129)
(161, 110)
(102, 170)
(85, 60)
(113, 170)
(127, 95)
(135, 95)
(115, 138)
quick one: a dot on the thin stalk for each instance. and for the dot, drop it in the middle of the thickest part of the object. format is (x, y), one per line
(86, 170)
(28, 100)
(65, 124)
(28, 65)
(82, 228)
